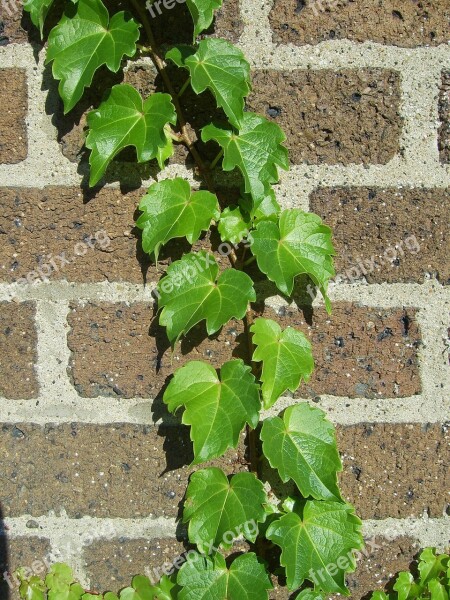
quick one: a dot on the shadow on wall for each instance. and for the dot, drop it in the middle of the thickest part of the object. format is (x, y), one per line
(4, 563)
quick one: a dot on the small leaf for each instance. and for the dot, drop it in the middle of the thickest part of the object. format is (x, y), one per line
(405, 586)
(32, 588)
(286, 357)
(309, 594)
(38, 10)
(316, 543)
(234, 225)
(73, 592)
(264, 208)
(256, 151)
(216, 409)
(59, 577)
(142, 589)
(89, 596)
(437, 589)
(191, 292)
(165, 152)
(220, 67)
(202, 12)
(379, 595)
(298, 244)
(219, 510)
(302, 447)
(124, 119)
(207, 578)
(171, 211)
(84, 40)
(431, 565)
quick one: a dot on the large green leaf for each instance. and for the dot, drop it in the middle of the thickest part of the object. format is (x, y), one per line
(286, 356)
(142, 589)
(302, 447)
(84, 40)
(220, 67)
(217, 409)
(316, 543)
(191, 292)
(218, 510)
(170, 211)
(298, 243)
(256, 151)
(207, 578)
(124, 119)
(202, 12)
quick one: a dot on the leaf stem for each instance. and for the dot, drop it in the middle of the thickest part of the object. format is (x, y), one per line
(185, 87)
(216, 160)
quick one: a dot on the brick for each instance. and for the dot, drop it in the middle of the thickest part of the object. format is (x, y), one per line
(444, 117)
(18, 357)
(398, 470)
(405, 24)
(358, 351)
(13, 132)
(14, 24)
(399, 235)
(29, 552)
(347, 116)
(121, 470)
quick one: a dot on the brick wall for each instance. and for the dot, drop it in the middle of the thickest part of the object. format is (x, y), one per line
(93, 470)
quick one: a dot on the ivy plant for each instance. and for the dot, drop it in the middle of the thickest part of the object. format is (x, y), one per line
(314, 529)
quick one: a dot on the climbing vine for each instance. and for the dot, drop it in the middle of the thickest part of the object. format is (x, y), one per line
(315, 530)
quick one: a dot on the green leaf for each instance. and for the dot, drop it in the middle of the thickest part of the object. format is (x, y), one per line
(38, 10)
(264, 208)
(32, 588)
(124, 119)
(309, 594)
(74, 592)
(142, 589)
(166, 151)
(171, 211)
(431, 565)
(202, 12)
(234, 225)
(59, 577)
(437, 589)
(298, 244)
(406, 587)
(191, 292)
(219, 510)
(286, 357)
(317, 544)
(256, 151)
(89, 596)
(84, 40)
(217, 409)
(207, 578)
(221, 68)
(302, 447)
(379, 595)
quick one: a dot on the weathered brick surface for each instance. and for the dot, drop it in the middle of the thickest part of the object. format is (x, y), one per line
(31, 553)
(347, 116)
(104, 471)
(14, 103)
(444, 116)
(394, 235)
(17, 350)
(397, 470)
(407, 24)
(358, 351)
(13, 24)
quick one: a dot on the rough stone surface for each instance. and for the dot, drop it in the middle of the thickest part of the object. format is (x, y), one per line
(111, 471)
(347, 116)
(398, 470)
(31, 553)
(407, 24)
(358, 351)
(394, 235)
(14, 102)
(17, 351)
(14, 25)
(444, 116)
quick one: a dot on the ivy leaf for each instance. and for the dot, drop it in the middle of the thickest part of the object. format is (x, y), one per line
(219, 510)
(59, 577)
(431, 565)
(302, 447)
(38, 10)
(286, 357)
(437, 590)
(379, 595)
(256, 151)
(234, 225)
(166, 151)
(220, 67)
(171, 211)
(298, 244)
(84, 40)
(316, 543)
(191, 292)
(264, 208)
(124, 119)
(73, 592)
(405, 586)
(217, 409)
(202, 12)
(207, 578)
(309, 594)
(142, 589)
(32, 588)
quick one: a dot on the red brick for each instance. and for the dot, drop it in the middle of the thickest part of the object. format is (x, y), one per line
(13, 131)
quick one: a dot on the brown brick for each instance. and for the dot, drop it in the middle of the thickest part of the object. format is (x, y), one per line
(358, 351)
(399, 235)
(14, 100)
(406, 24)
(14, 24)
(29, 552)
(398, 470)
(110, 471)
(17, 351)
(444, 116)
(347, 116)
